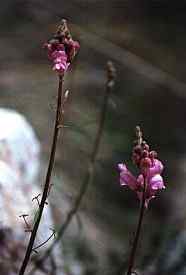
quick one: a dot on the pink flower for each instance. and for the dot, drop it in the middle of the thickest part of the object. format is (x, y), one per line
(58, 56)
(59, 59)
(62, 49)
(152, 175)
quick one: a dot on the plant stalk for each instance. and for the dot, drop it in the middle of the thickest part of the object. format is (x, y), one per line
(137, 234)
(88, 177)
(48, 177)
(136, 238)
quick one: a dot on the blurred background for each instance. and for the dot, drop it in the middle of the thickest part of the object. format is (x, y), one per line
(146, 41)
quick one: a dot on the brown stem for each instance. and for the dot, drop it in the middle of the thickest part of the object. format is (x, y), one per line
(88, 178)
(47, 181)
(137, 234)
(136, 237)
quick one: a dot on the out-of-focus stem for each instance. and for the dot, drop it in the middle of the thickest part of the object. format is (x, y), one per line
(90, 171)
(48, 177)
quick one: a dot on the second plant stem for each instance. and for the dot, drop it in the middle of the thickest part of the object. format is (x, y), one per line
(137, 234)
(88, 177)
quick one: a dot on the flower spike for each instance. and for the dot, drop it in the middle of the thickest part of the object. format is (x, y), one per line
(62, 48)
(150, 170)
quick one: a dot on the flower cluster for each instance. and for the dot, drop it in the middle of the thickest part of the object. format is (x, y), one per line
(62, 49)
(149, 179)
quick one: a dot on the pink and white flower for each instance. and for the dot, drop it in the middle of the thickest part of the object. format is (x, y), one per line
(152, 176)
(61, 53)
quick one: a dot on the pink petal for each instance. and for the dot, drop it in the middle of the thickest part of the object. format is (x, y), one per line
(156, 182)
(58, 60)
(59, 54)
(157, 168)
(126, 177)
(121, 166)
(57, 66)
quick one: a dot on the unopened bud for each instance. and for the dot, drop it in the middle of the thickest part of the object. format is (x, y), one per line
(146, 147)
(145, 163)
(136, 158)
(145, 154)
(153, 154)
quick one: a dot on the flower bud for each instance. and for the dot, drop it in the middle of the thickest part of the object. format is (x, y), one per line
(153, 155)
(146, 147)
(145, 163)
(136, 158)
(145, 153)
(137, 149)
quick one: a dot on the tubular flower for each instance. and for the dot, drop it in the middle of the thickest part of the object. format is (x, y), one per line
(149, 180)
(62, 49)
(154, 180)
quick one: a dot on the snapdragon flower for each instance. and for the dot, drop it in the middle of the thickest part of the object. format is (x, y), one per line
(62, 49)
(150, 173)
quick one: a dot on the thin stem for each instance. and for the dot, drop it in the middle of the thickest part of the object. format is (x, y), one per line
(47, 181)
(136, 237)
(88, 177)
(43, 243)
